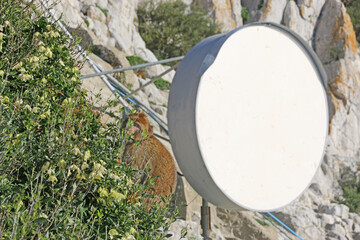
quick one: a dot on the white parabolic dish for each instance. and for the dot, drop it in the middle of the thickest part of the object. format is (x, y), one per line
(248, 117)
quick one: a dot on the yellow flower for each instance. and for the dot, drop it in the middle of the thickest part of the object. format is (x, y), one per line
(114, 177)
(76, 151)
(52, 178)
(37, 34)
(113, 233)
(54, 34)
(101, 130)
(25, 77)
(17, 66)
(43, 215)
(87, 155)
(43, 80)
(51, 171)
(48, 53)
(27, 107)
(45, 167)
(34, 59)
(7, 23)
(74, 168)
(35, 110)
(2, 73)
(1, 35)
(116, 195)
(84, 165)
(103, 192)
(98, 171)
(48, 27)
(42, 49)
(62, 164)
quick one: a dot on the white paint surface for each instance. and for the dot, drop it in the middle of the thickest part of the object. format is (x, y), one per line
(261, 119)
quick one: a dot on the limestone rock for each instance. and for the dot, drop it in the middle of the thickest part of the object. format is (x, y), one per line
(155, 96)
(192, 229)
(295, 22)
(227, 13)
(94, 12)
(339, 210)
(274, 10)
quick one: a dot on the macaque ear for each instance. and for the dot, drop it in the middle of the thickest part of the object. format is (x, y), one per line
(151, 131)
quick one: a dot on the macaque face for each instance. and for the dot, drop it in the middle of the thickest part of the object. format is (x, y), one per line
(141, 127)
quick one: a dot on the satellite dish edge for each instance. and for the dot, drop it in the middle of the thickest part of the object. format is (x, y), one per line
(248, 117)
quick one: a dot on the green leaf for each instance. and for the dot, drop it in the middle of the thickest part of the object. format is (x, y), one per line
(40, 220)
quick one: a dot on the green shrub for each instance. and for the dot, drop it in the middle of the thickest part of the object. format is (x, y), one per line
(135, 60)
(351, 193)
(62, 174)
(170, 30)
(162, 84)
(245, 14)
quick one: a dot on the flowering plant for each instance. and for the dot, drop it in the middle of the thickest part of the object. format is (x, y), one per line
(61, 170)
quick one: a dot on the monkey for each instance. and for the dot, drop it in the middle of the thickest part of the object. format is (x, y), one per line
(145, 150)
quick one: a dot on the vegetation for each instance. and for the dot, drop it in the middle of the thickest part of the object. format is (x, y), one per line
(135, 60)
(353, 8)
(162, 84)
(245, 14)
(61, 170)
(171, 29)
(351, 196)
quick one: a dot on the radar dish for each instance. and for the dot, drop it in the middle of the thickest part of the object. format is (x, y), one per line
(248, 117)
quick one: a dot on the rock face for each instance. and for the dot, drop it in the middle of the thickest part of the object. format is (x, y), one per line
(227, 13)
(110, 25)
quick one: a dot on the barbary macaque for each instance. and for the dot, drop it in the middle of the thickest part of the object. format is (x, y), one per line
(147, 151)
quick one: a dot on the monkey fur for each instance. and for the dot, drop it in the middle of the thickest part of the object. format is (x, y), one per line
(147, 151)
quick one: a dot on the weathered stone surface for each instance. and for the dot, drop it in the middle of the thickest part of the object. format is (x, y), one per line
(227, 13)
(235, 224)
(335, 36)
(154, 95)
(339, 210)
(95, 13)
(192, 228)
(327, 219)
(295, 22)
(273, 11)
(310, 10)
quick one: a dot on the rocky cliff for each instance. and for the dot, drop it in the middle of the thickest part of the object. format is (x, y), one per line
(110, 26)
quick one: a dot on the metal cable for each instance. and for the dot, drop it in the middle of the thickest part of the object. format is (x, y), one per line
(152, 80)
(276, 226)
(284, 225)
(132, 67)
